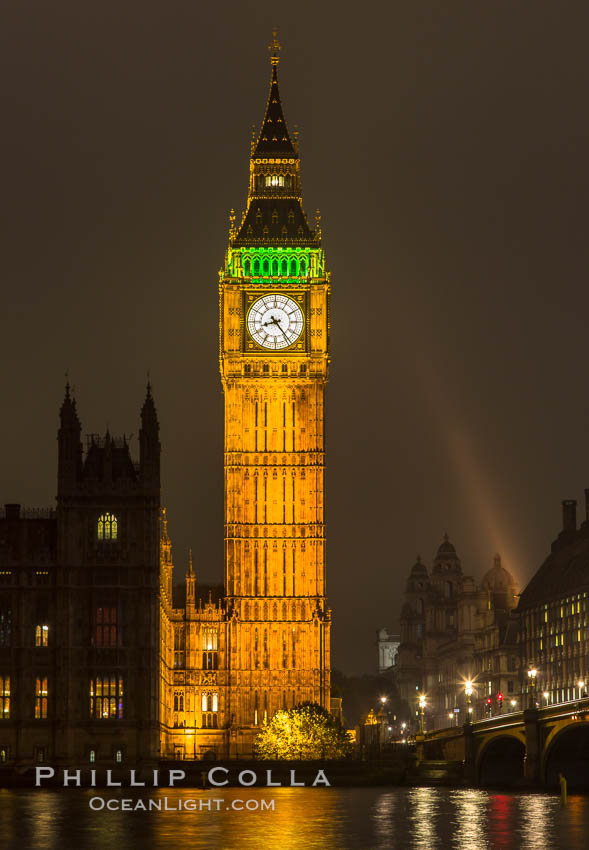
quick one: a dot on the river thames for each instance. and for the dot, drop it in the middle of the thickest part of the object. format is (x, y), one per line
(292, 819)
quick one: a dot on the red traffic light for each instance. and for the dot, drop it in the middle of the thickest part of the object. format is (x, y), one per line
(500, 697)
(489, 700)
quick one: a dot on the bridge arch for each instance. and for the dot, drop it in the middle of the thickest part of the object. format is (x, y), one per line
(566, 751)
(500, 759)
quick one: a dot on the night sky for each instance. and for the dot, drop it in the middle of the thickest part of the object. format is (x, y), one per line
(447, 148)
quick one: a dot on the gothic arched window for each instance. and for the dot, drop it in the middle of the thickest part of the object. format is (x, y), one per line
(107, 527)
(41, 635)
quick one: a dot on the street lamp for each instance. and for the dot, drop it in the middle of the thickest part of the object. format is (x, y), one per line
(532, 673)
(421, 713)
(581, 685)
(468, 692)
(546, 696)
(513, 703)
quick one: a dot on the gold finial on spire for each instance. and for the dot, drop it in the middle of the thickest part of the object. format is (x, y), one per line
(164, 516)
(190, 570)
(274, 47)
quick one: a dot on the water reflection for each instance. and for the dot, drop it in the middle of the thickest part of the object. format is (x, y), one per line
(470, 819)
(501, 820)
(537, 821)
(309, 818)
(424, 808)
(384, 820)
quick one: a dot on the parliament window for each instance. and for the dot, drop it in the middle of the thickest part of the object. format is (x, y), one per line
(210, 655)
(106, 627)
(4, 697)
(107, 527)
(106, 697)
(178, 701)
(5, 626)
(41, 694)
(210, 707)
(42, 635)
(179, 648)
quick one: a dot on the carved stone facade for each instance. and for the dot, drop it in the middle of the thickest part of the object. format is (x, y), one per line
(79, 620)
(262, 643)
(454, 630)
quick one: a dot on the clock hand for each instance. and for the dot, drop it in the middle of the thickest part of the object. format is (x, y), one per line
(272, 321)
(277, 322)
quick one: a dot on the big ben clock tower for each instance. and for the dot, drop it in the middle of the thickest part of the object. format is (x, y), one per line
(274, 357)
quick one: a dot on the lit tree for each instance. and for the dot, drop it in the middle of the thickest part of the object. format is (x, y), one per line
(305, 732)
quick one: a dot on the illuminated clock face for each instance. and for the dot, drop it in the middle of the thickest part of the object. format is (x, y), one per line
(275, 321)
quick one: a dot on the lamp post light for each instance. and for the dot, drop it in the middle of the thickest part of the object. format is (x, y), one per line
(513, 704)
(546, 696)
(421, 713)
(581, 684)
(532, 673)
(468, 692)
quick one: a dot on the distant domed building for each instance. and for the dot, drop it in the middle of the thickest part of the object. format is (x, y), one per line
(454, 630)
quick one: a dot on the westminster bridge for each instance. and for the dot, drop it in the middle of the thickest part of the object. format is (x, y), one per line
(529, 747)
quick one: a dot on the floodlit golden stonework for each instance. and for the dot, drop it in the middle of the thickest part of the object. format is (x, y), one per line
(230, 660)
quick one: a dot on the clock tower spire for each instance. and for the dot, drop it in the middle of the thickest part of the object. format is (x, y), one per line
(274, 357)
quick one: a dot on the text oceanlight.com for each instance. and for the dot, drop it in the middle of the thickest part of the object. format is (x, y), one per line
(190, 804)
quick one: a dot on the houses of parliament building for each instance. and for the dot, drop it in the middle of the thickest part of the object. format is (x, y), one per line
(104, 656)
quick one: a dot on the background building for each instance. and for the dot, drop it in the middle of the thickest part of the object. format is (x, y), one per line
(79, 619)
(552, 611)
(388, 648)
(454, 630)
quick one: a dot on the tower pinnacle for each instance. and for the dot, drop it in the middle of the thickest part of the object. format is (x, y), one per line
(274, 140)
(274, 214)
(275, 46)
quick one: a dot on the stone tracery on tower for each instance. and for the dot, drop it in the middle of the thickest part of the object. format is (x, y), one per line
(235, 655)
